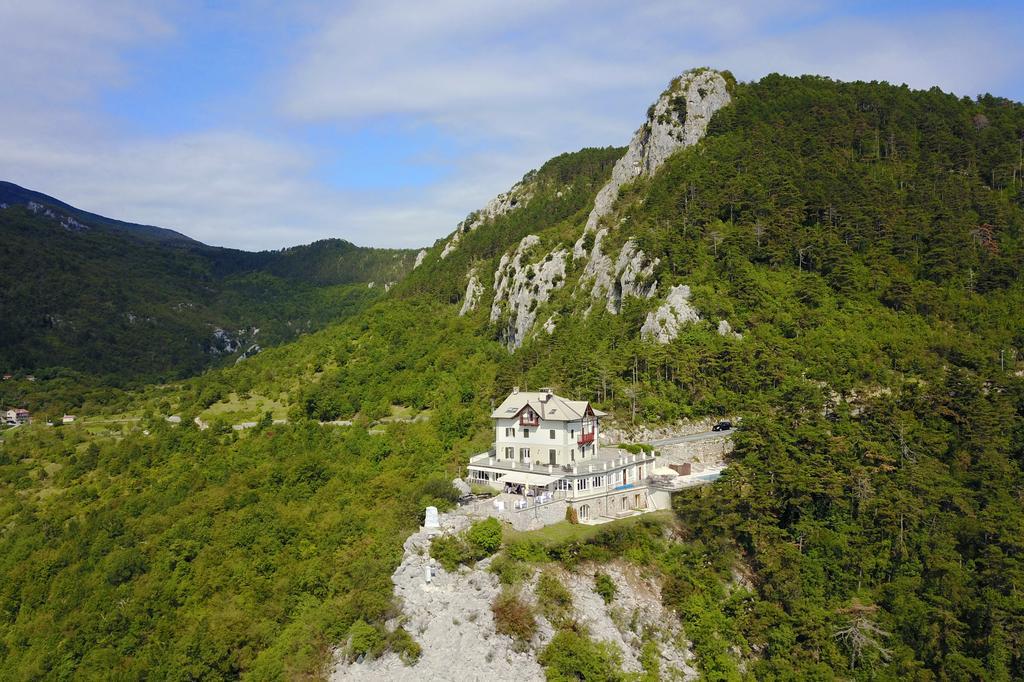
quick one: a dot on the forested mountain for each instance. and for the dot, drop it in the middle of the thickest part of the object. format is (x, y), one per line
(122, 302)
(839, 263)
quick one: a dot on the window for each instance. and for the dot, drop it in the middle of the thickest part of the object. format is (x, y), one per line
(510, 453)
(572, 433)
(572, 455)
(510, 432)
(562, 484)
(551, 432)
(552, 457)
(526, 433)
(598, 481)
(582, 484)
(639, 471)
(584, 511)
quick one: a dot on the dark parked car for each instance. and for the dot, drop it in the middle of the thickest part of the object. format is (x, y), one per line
(722, 426)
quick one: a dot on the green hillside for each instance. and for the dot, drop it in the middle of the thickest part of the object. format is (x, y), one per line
(113, 303)
(866, 242)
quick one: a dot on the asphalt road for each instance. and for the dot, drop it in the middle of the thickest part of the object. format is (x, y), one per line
(693, 437)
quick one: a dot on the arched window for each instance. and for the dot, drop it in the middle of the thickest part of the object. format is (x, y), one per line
(584, 511)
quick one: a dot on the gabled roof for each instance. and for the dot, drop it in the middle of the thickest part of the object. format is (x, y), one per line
(548, 405)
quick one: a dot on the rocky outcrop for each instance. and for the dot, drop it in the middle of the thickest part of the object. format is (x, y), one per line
(252, 350)
(631, 274)
(521, 287)
(66, 221)
(505, 202)
(474, 290)
(662, 325)
(677, 120)
(223, 342)
(419, 258)
(450, 617)
(725, 329)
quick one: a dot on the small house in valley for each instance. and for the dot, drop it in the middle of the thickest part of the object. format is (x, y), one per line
(17, 417)
(547, 447)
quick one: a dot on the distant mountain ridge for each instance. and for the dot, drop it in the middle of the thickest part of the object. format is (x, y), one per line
(103, 296)
(12, 194)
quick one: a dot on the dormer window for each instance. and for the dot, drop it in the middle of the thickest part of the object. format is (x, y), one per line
(528, 417)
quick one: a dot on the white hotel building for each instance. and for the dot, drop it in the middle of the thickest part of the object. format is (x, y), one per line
(546, 445)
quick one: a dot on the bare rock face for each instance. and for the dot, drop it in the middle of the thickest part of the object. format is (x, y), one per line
(520, 288)
(505, 202)
(725, 329)
(677, 120)
(419, 258)
(474, 289)
(451, 617)
(662, 325)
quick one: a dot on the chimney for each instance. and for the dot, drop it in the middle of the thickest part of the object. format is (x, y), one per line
(515, 390)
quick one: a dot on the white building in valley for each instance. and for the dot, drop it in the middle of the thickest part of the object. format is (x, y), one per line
(548, 447)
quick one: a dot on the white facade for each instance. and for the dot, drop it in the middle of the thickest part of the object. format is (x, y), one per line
(16, 417)
(547, 446)
(543, 428)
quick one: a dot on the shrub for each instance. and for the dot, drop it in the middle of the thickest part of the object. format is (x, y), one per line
(554, 599)
(650, 660)
(481, 540)
(605, 586)
(439, 490)
(450, 551)
(571, 515)
(509, 569)
(402, 643)
(514, 617)
(528, 550)
(485, 537)
(364, 639)
(574, 656)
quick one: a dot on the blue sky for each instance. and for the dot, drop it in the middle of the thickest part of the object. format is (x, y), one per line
(262, 125)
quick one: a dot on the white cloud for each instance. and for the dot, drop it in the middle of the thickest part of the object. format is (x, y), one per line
(513, 83)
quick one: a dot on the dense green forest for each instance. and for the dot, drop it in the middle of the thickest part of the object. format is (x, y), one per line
(865, 239)
(115, 304)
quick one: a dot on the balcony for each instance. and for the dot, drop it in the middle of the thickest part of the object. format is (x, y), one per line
(585, 438)
(529, 420)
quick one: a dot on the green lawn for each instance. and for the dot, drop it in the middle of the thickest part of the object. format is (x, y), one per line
(237, 410)
(563, 531)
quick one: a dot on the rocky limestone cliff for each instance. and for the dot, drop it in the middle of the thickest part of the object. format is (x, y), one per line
(521, 287)
(518, 195)
(677, 120)
(725, 329)
(419, 258)
(474, 289)
(662, 325)
(451, 618)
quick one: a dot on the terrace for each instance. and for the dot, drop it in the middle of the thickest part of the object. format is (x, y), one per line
(606, 460)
